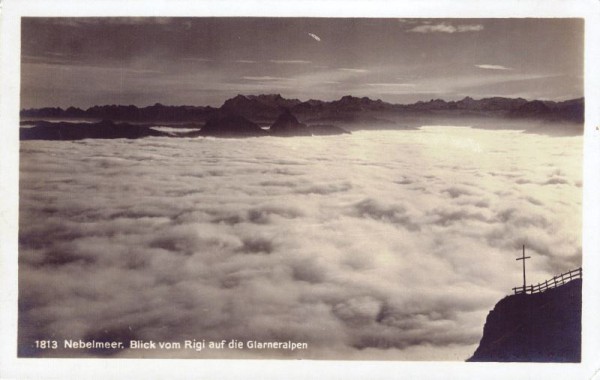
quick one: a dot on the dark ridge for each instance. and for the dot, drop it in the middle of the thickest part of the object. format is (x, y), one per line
(261, 108)
(352, 118)
(258, 107)
(225, 124)
(105, 129)
(352, 103)
(221, 124)
(540, 327)
(287, 125)
(154, 113)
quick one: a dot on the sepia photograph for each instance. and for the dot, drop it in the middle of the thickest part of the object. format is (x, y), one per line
(301, 188)
(356, 189)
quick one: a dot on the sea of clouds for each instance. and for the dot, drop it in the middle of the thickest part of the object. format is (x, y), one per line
(375, 245)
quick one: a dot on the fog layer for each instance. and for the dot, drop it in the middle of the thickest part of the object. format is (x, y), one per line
(375, 245)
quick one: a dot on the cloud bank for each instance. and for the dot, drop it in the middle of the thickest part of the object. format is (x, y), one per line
(377, 245)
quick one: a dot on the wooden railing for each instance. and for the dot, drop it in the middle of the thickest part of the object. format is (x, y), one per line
(554, 282)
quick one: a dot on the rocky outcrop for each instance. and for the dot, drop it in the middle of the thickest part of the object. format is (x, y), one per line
(258, 107)
(540, 327)
(287, 125)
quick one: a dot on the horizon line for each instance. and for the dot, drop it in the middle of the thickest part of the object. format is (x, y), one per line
(302, 101)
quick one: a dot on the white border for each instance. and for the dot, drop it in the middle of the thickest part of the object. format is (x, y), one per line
(11, 367)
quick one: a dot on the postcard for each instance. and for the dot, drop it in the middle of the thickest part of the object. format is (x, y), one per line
(249, 188)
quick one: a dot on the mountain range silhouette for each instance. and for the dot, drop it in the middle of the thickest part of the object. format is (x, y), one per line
(249, 116)
(267, 107)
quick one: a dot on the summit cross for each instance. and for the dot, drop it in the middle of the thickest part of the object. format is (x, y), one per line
(524, 258)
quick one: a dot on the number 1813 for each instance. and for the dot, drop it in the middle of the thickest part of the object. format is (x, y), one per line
(46, 344)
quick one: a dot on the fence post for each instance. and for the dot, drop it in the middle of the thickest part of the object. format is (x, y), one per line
(554, 282)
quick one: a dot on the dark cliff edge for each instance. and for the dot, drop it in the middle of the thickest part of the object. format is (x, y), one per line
(540, 327)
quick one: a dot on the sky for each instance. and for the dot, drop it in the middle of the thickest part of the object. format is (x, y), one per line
(83, 62)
